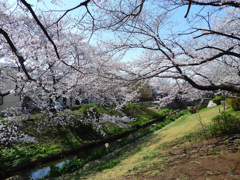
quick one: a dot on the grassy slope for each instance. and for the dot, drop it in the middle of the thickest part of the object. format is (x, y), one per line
(141, 156)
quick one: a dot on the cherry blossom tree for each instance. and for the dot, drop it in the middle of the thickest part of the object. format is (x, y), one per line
(45, 60)
(57, 63)
(211, 40)
(138, 24)
(52, 54)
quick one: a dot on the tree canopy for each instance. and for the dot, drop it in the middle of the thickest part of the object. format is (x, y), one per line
(51, 49)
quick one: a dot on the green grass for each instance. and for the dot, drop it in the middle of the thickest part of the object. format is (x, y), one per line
(98, 109)
(154, 151)
(152, 155)
(143, 114)
(15, 154)
(107, 165)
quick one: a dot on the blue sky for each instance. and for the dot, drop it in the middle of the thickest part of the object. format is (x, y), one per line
(178, 17)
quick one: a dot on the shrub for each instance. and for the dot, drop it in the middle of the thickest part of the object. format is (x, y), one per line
(181, 113)
(74, 108)
(217, 100)
(141, 113)
(234, 103)
(224, 124)
(129, 106)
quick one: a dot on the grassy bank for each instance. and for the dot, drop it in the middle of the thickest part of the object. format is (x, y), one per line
(152, 156)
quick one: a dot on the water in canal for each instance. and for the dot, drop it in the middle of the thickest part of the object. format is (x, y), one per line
(42, 170)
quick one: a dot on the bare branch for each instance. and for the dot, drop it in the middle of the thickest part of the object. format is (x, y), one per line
(41, 26)
(226, 87)
(5, 94)
(15, 51)
(189, 6)
(216, 3)
(211, 32)
(85, 3)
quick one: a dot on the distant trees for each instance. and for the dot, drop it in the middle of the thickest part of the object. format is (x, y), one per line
(145, 93)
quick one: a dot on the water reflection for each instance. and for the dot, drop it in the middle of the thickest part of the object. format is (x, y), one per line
(62, 163)
(39, 173)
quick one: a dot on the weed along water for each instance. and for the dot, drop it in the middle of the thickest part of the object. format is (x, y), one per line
(108, 145)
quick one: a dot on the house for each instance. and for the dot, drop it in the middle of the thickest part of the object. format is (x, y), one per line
(10, 100)
(31, 100)
(13, 100)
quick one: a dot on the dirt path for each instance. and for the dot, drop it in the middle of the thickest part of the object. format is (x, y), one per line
(213, 160)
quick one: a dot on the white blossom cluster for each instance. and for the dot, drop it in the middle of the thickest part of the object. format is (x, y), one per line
(10, 126)
(11, 133)
(72, 119)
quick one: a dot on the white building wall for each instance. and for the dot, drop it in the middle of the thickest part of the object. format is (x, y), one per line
(10, 100)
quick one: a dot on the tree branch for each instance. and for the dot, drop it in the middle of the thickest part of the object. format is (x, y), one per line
(229, 88)
(41, 26)
(5, 94)
(216, 32)
(215, 3)
(189, 6)
(85, 3)
(15, 51)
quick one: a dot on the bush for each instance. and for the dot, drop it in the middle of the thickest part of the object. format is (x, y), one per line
(217, 100)
(141, 113)
(181, 113)
(234, 103)
(74, 108)
(224, 124)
